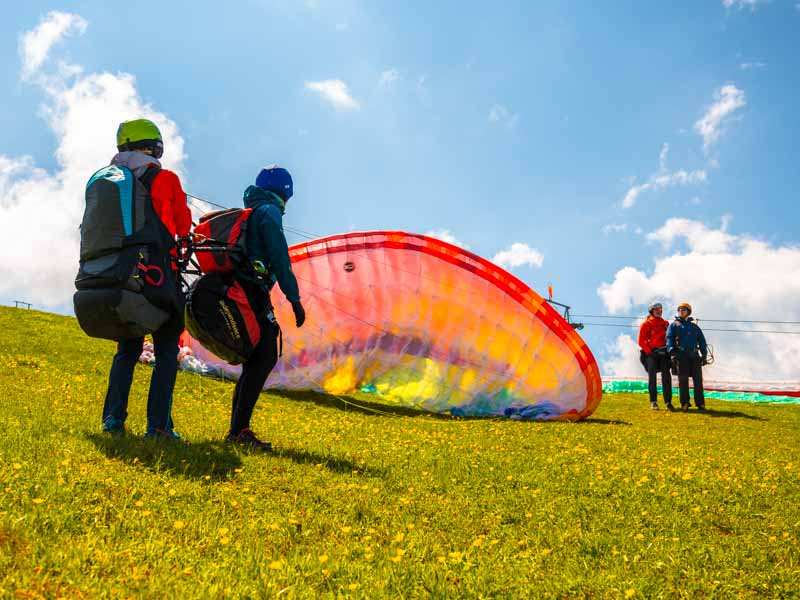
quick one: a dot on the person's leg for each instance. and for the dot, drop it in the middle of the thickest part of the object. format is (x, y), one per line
(235, 400)
(684, 370)
(115, 408)
(254, 374)
(666, 382)
(652, 383)
(162, 382)
(697, 383)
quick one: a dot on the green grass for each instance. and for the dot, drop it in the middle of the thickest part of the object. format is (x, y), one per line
(630, 503)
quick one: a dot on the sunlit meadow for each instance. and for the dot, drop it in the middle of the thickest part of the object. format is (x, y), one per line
(354, 502)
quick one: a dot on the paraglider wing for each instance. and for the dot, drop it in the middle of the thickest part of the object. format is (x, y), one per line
(426, 324)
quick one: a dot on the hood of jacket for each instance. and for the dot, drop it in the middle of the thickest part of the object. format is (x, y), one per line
(254, 197)
(137, 162)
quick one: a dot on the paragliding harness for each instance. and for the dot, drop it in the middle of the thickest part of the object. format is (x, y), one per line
(222, 306)
(125, 287)
(657, 352)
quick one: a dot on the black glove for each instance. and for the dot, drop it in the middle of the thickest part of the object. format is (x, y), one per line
(299, 313)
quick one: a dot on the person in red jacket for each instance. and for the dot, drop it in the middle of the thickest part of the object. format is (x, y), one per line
(140, 146)
(653, 342)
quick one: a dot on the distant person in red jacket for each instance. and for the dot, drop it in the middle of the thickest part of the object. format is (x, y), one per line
(653, 342)
(140, 146)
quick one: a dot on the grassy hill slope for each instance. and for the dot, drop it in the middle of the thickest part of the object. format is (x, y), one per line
(630, 503)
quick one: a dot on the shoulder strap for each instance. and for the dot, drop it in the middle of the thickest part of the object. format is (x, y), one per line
(148, 176)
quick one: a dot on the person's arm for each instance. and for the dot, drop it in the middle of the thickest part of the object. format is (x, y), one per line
(701, 341)
(174, 212)
(271, 224)
(671, 339)
(644, 338)
(180, 209)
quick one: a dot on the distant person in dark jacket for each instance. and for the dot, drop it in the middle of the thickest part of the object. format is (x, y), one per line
(653, 342)
(268, 253)
(688, 350)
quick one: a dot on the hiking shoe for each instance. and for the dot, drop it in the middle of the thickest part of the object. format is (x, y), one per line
(702, 408)
(654, 405)
(159, 434)
(114, 426)
(248, 439)
(670, 408)
(684, 408)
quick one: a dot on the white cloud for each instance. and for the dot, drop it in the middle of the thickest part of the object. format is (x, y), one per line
(517, 255)
(446, 236)
(41, 210)
(502, 115)
(728, 99)
(723, 276)
(698, 236)
(751, 4)
(334, 91)
(752, 65)
(615, 228)
(388, 77)
(663, 179)
(35, 45)
(624, 358)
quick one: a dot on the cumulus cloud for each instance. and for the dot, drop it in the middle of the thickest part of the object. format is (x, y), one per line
(334, 91)
(35, 45)
(723, 276)
(388, 77)
(517, 255)
(752, 65)
(663, 179)
(41, 210)
(446, 236)
(614, 228)
(502, 115)
(728, 99)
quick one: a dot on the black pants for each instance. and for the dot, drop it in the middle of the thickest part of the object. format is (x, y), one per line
(690, 366)
(162, 381)
(254, 374)
(659, 363)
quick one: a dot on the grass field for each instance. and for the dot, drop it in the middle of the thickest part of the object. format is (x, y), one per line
(630, 503)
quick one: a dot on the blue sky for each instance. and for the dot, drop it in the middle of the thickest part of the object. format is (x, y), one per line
(515, 123)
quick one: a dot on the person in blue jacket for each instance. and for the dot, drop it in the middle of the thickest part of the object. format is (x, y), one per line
(268, 253)
(687, 347)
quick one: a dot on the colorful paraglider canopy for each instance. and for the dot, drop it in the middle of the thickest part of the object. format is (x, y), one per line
(425, 324)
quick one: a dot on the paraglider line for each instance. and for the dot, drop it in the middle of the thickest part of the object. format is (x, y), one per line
(639, 318)
(704, 329)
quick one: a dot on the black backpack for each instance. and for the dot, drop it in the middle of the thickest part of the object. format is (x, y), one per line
(228, 315)
(125, 284)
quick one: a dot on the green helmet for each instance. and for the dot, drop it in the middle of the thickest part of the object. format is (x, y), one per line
(140, 134)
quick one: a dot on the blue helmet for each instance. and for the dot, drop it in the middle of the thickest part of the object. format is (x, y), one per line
(276, 179)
